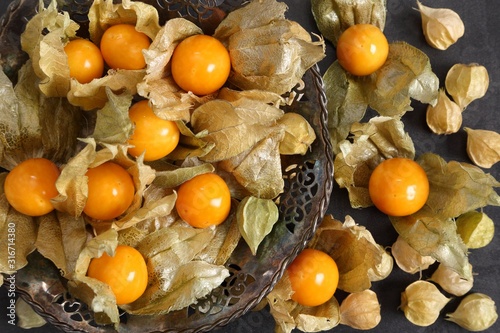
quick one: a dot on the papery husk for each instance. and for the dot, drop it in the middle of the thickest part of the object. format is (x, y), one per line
(360, 310)
(27, 317)
(355, 256)
(96, 294)
(406, 75)
(256, 218)
(476, 312)
(175, 279)
(259, 169)
(290, 315)
(457, 187)
(383, 268)
(408, 259)
(167, 99)
(72, 183)
(346, 104)
(191, 145)
(299, 134)
(334, 16)
(104, 14)
(451, 282)
(372, 142)
(435, 236)
(442, 27)
(252, 32)
(445, 117)
(234, 127)
(46, 50)
(483, 147)
(18, 234)
(466, 83)
(476, 229)
(61, 238)
(34, 125)
(422, 303)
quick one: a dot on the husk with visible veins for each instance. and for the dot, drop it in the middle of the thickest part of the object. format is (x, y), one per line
(50, 62)
(33, 125)
(267, 51)
(334, 16)
(168, 100)
(379, 139)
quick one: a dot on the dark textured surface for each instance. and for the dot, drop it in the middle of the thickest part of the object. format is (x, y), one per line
(480, 44)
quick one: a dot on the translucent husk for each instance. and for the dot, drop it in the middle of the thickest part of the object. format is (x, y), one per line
(445, 117)
(476, 229)
(483, 147)
(451, 281)
(299, 135)
(476, 312)
(422, 303)
(442, 27)
(360, 310)
(408, 259)
(466, 83)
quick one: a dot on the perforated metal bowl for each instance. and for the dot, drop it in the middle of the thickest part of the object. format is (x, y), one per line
(308, 185)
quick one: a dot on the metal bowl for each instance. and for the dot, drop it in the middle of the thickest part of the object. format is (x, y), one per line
(302, 205)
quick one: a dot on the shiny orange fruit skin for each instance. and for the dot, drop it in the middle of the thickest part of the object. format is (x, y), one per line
(204, 200)
(126, 273)
(314, 277)
(110, 191)
(362, 49)
(121, 47)
(30, 185)
(84, 60)
(200, 64)
(398, 186)
(152, 135)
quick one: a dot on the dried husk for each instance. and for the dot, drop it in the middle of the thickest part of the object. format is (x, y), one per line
(256, 218)
(476, 229)
(445, 117)
(290, 315)
(451, 282)
(457, 187)
(96, 294)
(422, 303)
(372, 142)
(72, 183)
(483, 147)
(354, 255)
(167, 99)
(466, 83)
(24, 230)
(442, 27)
(334, 16)
(274, 66)
(61, 238)
(476, 312)
(406, 75)
(346, 102)
(27, 317)
(360, 310)
(34, 125)
(408, 259)
(299, 134)
(105, 13)
(50, 61)
(43, 40)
